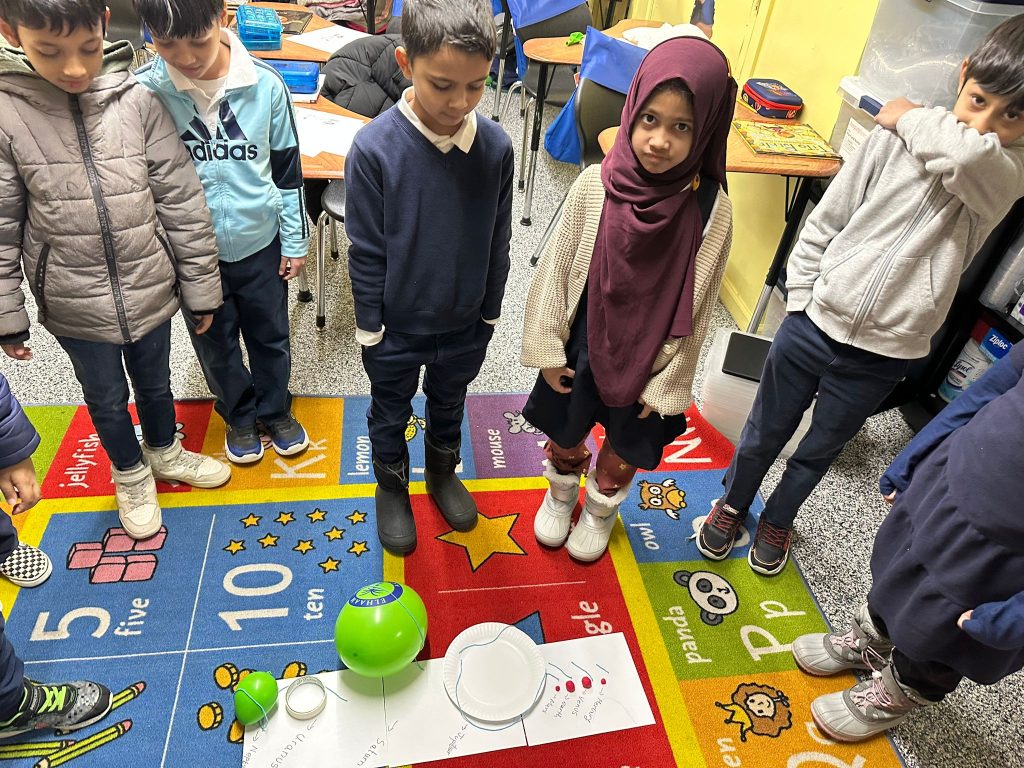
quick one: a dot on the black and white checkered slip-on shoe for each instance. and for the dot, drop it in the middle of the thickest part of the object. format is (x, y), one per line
(27, 566)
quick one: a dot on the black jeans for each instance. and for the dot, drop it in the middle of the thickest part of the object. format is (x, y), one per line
(98, 368)
(452, 361)
(256, 309)
(12, 670)
(850, 384)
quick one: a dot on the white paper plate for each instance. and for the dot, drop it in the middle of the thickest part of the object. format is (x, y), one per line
(497, 680)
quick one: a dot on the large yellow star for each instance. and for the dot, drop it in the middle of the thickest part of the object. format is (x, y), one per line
(358, 548)
(317, 515)
(270, 540)
(251, 520)
(330, 564)
(285, 517)
(335, 533)
(491, 536)
(304, 546)
(235, 547)
(356, 517)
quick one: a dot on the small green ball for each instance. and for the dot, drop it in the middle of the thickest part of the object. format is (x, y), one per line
(256, 690)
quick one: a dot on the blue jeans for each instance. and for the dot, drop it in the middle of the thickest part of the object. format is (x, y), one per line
(452, 361)
(255, 308)
(850, 383)
(98, 368)
(12, 670)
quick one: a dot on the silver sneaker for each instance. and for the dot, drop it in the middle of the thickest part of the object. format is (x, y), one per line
(823, 655)
(551, 525)
(137, 505)
(869, 708)
(176, 464)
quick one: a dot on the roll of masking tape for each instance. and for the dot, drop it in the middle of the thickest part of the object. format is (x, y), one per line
(308, 704)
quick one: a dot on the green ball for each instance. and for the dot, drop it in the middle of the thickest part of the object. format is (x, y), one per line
(257, 689)
(381, 629)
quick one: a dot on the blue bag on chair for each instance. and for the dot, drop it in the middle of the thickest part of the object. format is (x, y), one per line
(527, 12)
(607, 61)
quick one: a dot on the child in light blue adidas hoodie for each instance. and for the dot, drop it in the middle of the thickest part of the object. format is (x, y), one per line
(234, 114)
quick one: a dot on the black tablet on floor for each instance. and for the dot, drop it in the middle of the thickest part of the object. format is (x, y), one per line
(745, 356)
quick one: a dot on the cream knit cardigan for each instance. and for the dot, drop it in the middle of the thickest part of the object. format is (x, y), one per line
(562, 274)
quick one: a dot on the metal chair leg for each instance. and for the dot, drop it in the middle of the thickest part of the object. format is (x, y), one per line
(516, 86)
(334, 239)
(547, 234)
(305, 295)
(321, 270)
(531, 104)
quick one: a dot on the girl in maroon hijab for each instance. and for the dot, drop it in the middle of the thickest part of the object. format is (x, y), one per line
(621, 301)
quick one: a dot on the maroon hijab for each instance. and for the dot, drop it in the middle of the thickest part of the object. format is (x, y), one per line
(640, 288)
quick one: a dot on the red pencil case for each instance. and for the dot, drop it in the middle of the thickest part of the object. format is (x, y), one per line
(771, 98)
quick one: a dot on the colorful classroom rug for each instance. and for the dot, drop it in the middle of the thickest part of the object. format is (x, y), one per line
(253, 575)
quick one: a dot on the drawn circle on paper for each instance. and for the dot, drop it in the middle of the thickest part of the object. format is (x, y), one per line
(497, 679)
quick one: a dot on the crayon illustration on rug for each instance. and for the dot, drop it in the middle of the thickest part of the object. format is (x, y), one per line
(252, 576)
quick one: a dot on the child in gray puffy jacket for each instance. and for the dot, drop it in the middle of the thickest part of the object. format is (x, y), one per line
(101, 206)
(871, 280)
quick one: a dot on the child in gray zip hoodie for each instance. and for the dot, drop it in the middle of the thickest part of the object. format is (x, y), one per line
(871, 279)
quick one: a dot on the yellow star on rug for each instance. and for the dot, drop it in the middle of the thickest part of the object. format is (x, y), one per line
(285, 517)
(330, 564)
(270, 540)
(491, 536)
(356, 517)
(235, 547)
(251, 520)
(358, 548)
(317, 515)
(304, 546)
(335, 533)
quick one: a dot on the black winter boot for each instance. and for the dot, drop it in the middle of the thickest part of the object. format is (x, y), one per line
(396, 527)
(450, 495)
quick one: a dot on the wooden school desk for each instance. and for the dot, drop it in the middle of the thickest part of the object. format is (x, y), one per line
(328, 166)
(548, 52)
(739, 158)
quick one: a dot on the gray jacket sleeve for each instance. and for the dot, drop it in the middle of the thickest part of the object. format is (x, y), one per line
(986, 176)
(13, 317)
(844, 195)
(181, 209)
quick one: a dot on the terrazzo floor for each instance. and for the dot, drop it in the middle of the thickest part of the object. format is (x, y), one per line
(975, 727)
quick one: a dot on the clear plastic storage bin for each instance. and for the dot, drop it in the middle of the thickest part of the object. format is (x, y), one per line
(856, 116)
(915, 47)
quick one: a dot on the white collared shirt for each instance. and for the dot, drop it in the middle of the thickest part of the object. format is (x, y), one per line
(462, 138)
(241, 73)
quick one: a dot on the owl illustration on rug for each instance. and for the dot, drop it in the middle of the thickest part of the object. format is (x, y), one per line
(663, 496)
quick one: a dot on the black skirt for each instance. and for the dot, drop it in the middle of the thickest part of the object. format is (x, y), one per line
(568, 418)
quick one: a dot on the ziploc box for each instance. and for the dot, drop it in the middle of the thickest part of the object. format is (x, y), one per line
(299, 76)
(771, 98)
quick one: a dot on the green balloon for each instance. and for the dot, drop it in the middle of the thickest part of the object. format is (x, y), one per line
(381, 629)
(257, 689)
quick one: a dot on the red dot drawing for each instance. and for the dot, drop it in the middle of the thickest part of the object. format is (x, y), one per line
(586, 682)
(570, 686)
(558, 688)
(603, 681)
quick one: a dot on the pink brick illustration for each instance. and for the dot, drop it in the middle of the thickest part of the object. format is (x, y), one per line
(109, 570)
(154, 542)
(117, 540)
(84, 554)
(141, 567)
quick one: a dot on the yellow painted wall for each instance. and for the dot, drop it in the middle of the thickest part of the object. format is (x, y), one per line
(807, 44)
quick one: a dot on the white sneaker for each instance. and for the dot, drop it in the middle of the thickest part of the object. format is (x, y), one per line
(551, 525)
(589, 539)
(195, 469)
(137, 505)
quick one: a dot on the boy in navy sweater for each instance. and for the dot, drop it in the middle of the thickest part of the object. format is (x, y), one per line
(429, 218)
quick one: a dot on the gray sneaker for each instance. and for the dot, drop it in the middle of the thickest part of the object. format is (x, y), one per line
(823, 655)
(67, 707)
(869, 708)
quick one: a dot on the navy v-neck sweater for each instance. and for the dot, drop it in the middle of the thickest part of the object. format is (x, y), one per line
(429, 231)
